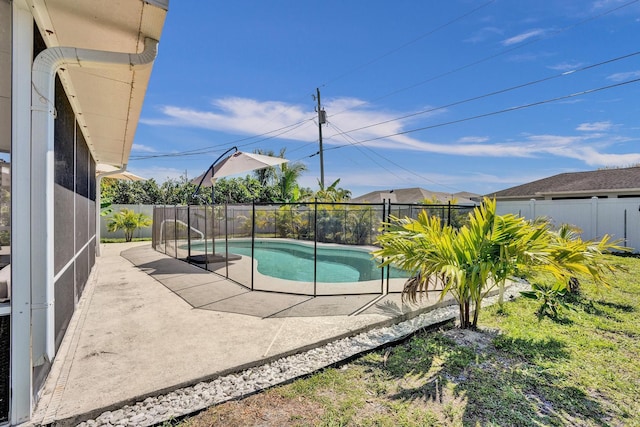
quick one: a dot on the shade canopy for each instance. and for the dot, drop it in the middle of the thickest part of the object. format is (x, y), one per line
(236, 163)
(125, 175)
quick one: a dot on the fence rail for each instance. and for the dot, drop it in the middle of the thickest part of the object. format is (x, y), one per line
(313, 248)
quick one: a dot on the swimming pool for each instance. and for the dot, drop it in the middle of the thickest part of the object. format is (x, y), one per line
(292, 260)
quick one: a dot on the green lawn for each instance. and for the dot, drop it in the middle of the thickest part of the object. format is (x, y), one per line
(580, 369)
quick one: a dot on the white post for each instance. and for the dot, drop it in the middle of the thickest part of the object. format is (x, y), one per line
(21, 366)
(532, 208)
(594, 218)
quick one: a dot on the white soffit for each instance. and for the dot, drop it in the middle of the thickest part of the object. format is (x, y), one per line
(107, 102)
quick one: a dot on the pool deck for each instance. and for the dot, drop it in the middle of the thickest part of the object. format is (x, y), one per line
(148, 324)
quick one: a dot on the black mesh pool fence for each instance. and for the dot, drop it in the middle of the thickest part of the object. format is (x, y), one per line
(5, 337)
(209, 237)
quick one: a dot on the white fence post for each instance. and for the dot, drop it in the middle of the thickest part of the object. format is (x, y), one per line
(532, 208)
(594, 217)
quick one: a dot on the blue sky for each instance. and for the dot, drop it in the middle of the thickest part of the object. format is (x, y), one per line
(409, 88)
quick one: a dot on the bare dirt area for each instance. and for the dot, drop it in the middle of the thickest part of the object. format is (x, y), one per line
(260, 410)
(480, 339)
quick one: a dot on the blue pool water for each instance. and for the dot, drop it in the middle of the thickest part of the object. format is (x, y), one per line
(293, 261)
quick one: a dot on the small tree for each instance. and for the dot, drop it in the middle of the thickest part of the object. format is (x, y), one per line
(470, 261)
(128, 221)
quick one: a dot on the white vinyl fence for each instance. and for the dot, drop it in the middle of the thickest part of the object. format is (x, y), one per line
(141, 232)
(620, 218)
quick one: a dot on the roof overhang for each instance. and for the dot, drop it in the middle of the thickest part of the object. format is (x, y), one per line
(107, 102)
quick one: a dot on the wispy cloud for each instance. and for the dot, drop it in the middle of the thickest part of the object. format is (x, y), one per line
(524, 36)
(579, 148)
(529, 57)
(565, 66)
(366, 126)
(292, 122)
(484, 34)
(595, 126)
(606, 4)
(467, 139)
(140, 148)
(571, 101)
(620, 77)
(238, 115)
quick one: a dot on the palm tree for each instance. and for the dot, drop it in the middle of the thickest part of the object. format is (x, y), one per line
(470, 261)
(128, 221)
(288, 174)
(579, 257)
(332, 193)
(267, 176)
(284, 177)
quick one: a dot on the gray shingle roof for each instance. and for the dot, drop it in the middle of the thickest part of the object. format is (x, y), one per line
(596, 182)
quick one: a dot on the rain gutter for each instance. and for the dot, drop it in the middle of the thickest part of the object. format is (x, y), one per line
(43, 114)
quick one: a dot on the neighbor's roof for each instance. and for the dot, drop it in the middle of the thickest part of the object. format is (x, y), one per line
(107, 102)
(411, 195)
(622, 180)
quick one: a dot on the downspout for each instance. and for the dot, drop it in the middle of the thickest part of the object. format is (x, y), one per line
(44, 70)
(98, 202)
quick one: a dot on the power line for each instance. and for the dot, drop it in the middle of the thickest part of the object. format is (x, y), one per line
(289, 128)
(498, 92)
(487, 58)
(360, 148)
(214, 148)
(355, 144)
(410, 42)
(493, 113)
(210, 149)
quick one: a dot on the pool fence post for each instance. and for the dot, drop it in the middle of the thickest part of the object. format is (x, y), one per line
(253, 237)
(384, 214)
(226, 240)
(175, 231)
(213, 227)
(388, 267)
(189, 233)
(206, 229)
(449, 214)
(315, 246)
(166, 236)
(275, 224)
(164, 228)
(344, 225)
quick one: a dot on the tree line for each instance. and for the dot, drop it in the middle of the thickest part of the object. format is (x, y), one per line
(270, 185)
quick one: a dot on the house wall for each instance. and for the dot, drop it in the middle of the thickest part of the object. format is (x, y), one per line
(620, 218)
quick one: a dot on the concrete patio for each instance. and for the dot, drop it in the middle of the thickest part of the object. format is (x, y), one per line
(148, 324)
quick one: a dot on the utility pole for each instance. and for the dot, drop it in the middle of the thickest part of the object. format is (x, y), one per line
(322, 119)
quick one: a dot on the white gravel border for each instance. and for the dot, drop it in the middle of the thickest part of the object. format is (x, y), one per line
(184, 401)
